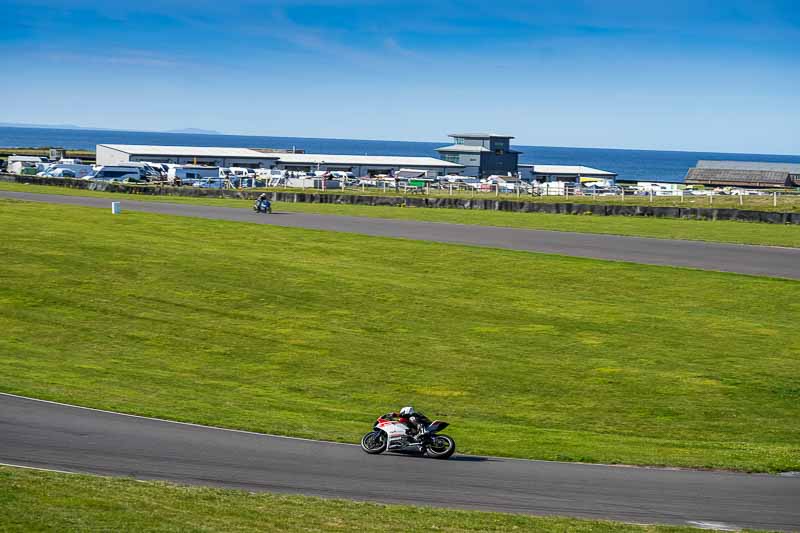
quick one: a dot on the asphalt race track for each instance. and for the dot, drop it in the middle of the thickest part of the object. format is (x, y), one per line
(61, 437)
(743, 259)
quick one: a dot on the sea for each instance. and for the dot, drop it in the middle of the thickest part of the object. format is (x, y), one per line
(638, 165)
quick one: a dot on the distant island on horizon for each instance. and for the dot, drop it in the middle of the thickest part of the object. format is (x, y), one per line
(194, 131)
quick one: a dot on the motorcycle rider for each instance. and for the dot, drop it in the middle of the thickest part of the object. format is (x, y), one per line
(262, 201)
(415, 421)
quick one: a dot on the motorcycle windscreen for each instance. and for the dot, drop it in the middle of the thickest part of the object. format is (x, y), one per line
(437, 425)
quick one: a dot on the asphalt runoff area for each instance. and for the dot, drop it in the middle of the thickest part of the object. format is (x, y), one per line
(60, 437)
(738, 258)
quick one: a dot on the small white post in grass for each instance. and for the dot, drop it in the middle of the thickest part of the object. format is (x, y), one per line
(775, 199)
(451, 189)
(711, 198)
(651, 196)
(623, 195)
(384, 187)
(517, 187)
(497, 189)
(741, 199)
(363, 188)
(682, 195)
(116, 208)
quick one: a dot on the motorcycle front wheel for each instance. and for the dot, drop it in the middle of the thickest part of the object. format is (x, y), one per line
(374, 442)
(441, 447)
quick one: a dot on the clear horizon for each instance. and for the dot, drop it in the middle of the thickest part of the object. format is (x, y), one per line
(708, 77)
(442, 142)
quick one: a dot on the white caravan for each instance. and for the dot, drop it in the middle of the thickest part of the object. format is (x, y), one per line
(16, 163)
(115, 173)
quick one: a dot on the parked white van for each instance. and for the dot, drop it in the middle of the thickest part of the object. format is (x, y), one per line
(116, 173)
(243, 172)
(189, 174)
(150, 171)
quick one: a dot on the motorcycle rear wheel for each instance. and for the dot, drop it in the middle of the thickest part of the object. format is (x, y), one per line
(441, 447)
(374, 442)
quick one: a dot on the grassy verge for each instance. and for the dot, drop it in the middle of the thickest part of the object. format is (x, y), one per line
(312, 333)
(45, 151)
(48, 501)
(717, 231)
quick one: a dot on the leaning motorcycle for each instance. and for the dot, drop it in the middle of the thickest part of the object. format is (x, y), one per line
(262, 206)
(393, 435)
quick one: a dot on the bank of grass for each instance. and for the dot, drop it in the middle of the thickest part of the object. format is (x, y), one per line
(87, 155)
(716, 231)
(313, 334)
(47, 501)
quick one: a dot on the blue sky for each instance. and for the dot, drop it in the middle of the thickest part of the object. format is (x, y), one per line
(698, 75)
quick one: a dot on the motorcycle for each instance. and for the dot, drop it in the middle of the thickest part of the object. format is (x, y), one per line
(392, 435)
(262, 206)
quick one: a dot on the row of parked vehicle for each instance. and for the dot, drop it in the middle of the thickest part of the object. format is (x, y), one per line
(407, 179)
(133, 172)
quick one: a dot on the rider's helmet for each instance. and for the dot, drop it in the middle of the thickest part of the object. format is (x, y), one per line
(407, 411)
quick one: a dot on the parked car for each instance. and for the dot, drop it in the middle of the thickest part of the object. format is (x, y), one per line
(57, 170)
(59, 173)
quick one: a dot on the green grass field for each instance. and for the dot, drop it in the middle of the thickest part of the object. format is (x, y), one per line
(718, 231)
(314, 333)
(46, 501)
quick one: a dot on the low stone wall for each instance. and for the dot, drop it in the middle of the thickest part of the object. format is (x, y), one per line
(563, 208)
(696, 213)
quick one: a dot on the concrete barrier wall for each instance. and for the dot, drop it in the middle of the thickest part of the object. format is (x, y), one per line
(564, 208)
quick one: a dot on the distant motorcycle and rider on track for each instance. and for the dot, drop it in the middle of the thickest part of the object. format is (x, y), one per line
(262, 204)
(409, 431)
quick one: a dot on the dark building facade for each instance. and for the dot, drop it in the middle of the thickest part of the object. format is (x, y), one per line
(744, 174)
(482, 154)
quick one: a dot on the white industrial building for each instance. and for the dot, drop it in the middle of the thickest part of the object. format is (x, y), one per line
(119, 154)
(360, 165)
(567, 173)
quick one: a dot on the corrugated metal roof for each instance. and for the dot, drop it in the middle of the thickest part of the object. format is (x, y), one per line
(577, 170)
(290, 158)
(189, 151)
(480, 135)
(358, 160)
(723, 176)
(792, 168)
(463, 148)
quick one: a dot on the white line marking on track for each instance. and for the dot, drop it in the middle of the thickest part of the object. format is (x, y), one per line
(718, 526)
(175, 421)
(39, 468)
